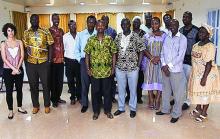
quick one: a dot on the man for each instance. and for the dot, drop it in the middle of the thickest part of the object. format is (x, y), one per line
(38, 43)
(80, 56)
(166, 20)
(136, 28)
(190, 31)
(147, 26)
(100, 61)
(72, 65)
(130, 50)
(172, 56)
(110, 32)
(57, 63)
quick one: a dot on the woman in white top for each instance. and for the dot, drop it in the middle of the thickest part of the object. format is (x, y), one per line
(12, 53)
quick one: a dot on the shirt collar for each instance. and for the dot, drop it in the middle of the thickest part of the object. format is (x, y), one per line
(177, 34)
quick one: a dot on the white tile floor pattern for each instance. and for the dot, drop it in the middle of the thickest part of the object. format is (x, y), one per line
(67, 122)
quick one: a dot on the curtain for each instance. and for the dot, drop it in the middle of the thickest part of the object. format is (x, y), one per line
(157, 14)
(112, 19)
(131, 15)
(44, 20)
(81, 20)
(170, 12)
(64, 19)
(213, 20)
(20, 21)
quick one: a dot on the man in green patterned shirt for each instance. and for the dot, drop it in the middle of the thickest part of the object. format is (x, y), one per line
(100, 60)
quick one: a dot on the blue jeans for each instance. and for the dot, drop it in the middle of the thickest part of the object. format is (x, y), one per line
(122, 78)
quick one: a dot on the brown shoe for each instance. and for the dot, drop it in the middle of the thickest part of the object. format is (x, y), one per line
(47, 110)
(35, 110)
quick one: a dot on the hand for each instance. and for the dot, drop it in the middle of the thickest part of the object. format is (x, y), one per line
(16, 71)
(165, 69)
(156, 60)
(203, 81)
(89, 72)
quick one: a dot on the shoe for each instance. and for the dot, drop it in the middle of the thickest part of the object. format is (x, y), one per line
(185, 106)
(47, 110)
(95, 116)
(35, 110)
(84, 109)
(174, 120)
(160, 113)
(61, 101)
(72, 102)
(55, 105)
(172, 102)
(118, 112)
(109, 115)
(22, 111)
(132, 114)
(140, 101)
(11, 115)
(114, 100)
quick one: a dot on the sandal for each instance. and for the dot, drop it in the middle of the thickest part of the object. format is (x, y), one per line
(194, 113)
(10, 115)
(201, 118)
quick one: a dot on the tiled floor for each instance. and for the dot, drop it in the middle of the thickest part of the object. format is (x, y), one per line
(67, 122)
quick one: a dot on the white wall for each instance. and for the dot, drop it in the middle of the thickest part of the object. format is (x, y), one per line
(5, 13)
(199, 9)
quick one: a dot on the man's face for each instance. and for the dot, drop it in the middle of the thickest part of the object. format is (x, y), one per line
(56, 20)
(91, 22)
(100, 27)
(174, 26)
(136, 23)
(34, 20)
(125, 25)
(166, 20)
(72, 26)
(186, 19)
(106, 20)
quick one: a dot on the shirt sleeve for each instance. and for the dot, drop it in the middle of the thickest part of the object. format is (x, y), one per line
(209, 53)
(162, 53)
(25, 38)
(77, 49)
(140, 44)
(49, 40)
(88, 46)
(113, 46)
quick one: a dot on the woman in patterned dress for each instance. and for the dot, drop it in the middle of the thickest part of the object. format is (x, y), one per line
(204, 83)
(152, 74)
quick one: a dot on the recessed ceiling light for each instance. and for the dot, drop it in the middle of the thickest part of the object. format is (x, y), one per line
(146, 3)
(82, 3)
(51, 3)
(113, 3)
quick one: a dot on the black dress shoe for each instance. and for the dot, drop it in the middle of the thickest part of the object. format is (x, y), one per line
(140, 101)
(55, 105)
(172, 102)
(174, 120)
(160, 113)
(61, 101)
(109, 115)
(95, 116)
(185, 106)
(72, 102)
(114, 100)
(118, 112)
(132, 114)
(23, 112)
(84, 109)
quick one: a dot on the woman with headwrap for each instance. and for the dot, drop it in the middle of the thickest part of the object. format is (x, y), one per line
(204, 83)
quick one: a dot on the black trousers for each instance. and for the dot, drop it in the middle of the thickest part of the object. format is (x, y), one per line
(101, 86)
(85, 81)
(73, 78)
(34, 73)
(139, 89)
(10, 80)
(56, 81)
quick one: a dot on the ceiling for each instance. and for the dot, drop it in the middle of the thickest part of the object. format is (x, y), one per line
(37, 3)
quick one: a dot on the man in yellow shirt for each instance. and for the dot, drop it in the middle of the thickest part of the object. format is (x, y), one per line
(37, 42)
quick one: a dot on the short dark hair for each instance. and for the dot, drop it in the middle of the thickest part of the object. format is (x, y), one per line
(5, 28)
(156, 18)
(188, 13)
(55, 14)
(167, 15)
(92, 17)
(71, 21)
(124, 19)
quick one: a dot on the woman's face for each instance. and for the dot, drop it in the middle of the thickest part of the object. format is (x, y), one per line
(10, 33)
(203, 34)
(155, 24)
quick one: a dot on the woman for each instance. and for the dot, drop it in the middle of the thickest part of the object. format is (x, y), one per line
(204, 80)
(152, 74)
(12, 53)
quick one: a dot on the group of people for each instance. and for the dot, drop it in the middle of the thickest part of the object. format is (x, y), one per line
(177, 64)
